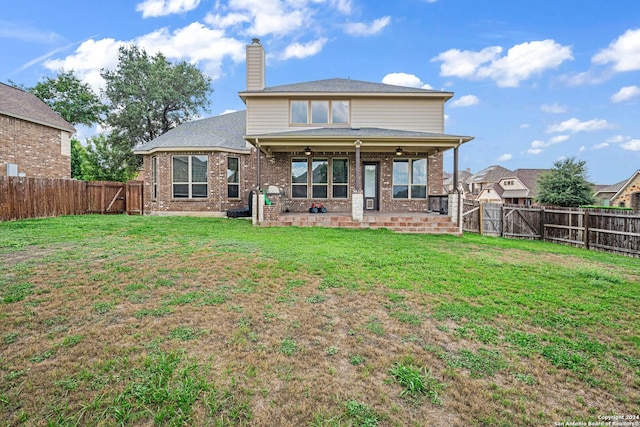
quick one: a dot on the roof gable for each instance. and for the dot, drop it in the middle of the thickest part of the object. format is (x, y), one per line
(24, 105)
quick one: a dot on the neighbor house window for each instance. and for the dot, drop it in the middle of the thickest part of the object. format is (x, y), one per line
(154, 177)
(190, 177)
(340, 178)
(233, 177)
(299, 175)
(319, 178)
(410, 179)
(319, 112)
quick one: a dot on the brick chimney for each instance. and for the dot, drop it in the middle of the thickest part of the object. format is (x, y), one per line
(255, 66)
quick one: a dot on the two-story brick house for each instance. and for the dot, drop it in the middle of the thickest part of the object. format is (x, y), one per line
(356, 147)
(34, 140)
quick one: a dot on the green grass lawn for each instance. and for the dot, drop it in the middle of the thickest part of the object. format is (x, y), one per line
(117, 320)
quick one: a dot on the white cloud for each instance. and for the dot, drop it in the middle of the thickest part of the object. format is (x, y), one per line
(229, 20)
(227, 112)
(505, 157)
(624, 52)
(298, 50)
(558, 139)
(465, 101)
(582, 148)
(88, 59)
(617, 138)
(574, 125)
(362, 29)
(525, 126)
(195, 43)
(633, 145)
(601, 145)
(538, 145)
(343, 6)
(554, 108)
(265, 16)
(404, 79)
(626, 93)
(155, 8)
(520, 62)
(465, 63)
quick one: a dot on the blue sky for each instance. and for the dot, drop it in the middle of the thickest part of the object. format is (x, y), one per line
(534, 82)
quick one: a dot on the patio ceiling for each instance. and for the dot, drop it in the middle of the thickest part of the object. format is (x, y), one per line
(346, 139)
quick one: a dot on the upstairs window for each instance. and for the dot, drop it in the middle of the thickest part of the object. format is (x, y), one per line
(190, 177)
(319, 112)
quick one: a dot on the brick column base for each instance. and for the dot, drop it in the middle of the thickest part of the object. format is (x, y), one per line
(357, 206)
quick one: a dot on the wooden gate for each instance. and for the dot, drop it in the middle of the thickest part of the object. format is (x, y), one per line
(106, 197)
(522, 222)
(471, 216)
(134, 197)
(491, 219)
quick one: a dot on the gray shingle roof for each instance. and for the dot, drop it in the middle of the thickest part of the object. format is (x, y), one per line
(491, 174)
(347, 86)
(26, 106)
(224, 132)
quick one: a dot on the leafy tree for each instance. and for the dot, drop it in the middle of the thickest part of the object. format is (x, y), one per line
(566, 184)
(108, 159)
(79, 160)
(72, 99)
(148, 95)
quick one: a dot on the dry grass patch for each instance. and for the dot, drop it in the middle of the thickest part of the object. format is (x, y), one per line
(193, 321)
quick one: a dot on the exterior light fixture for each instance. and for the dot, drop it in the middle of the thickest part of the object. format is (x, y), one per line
(307, 151)
(399, 151)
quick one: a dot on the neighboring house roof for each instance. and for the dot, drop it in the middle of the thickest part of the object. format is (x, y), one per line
(491, 174)
(463, 177)
(26, 106)
(627, 183)
(224, 132)
(347, 87)
(610, 190)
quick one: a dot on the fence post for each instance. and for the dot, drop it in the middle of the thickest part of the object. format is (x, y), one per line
(102, 196)
(586, 229)
(542, 229)
(481, 218)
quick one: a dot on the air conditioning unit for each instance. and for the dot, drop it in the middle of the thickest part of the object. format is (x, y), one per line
(12, 169)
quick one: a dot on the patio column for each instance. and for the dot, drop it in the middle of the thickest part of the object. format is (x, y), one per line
(357, 199)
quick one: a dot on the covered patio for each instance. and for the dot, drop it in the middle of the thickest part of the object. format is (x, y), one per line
(366, 178)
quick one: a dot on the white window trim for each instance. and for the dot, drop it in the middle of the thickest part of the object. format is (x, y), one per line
(345, 184)
(233, 183)
(410, 184)
(309, 112)
(190, 182)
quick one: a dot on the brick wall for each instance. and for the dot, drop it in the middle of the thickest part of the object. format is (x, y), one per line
(216, 203)
(276, 171)
(38, 150)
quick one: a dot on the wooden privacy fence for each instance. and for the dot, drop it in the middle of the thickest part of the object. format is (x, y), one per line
(22, 198)
(600, 229)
